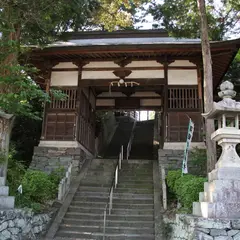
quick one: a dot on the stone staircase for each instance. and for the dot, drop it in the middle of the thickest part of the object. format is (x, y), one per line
(132, 216)
(142, 144)
(133, 204)
(120, 138)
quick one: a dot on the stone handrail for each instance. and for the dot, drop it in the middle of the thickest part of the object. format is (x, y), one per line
(113, 186)
(64, 184)
(164, 188)
(129, 146)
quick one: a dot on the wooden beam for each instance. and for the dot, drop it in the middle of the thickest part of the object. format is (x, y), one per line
(123, 69)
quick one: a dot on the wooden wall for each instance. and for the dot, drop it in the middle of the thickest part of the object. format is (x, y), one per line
(183, 103)
(71, 119)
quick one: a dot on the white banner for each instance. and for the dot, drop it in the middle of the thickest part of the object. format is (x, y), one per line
(189, 139)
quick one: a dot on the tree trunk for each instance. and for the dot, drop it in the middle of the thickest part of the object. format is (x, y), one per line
(208, 86)
(6, 126)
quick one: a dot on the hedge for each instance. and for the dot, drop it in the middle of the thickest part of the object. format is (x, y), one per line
(185, 188)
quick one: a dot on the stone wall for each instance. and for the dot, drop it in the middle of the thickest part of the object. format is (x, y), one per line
(20, 224)
(188, 227)
(48, 158)
(172, 159)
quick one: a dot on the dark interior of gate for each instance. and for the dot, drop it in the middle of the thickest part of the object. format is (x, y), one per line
(126, 71)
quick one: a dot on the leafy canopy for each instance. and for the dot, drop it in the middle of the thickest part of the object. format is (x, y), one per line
(181, 17)
(24, 22)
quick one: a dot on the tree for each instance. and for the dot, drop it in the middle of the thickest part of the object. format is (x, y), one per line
(24, 22)
(181, 17)
(208, 84)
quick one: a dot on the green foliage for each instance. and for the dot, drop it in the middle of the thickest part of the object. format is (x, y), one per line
(199, 161)
(56, 175)
(15, 173)
(185, 188)
(181, 17)
(190, 191)
(37, 186)
(172, 177)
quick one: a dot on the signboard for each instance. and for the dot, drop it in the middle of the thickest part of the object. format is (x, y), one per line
(189, 139)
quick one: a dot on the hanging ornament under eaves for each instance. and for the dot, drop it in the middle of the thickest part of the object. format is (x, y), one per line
(122, 83)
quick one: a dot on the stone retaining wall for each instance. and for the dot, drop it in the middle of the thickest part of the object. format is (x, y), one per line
(48, 158)
(188, 227)
(172, 159)
(20, 224)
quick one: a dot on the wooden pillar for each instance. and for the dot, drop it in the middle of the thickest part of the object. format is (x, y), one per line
(80, 65)
(45, 72)
(164, 127)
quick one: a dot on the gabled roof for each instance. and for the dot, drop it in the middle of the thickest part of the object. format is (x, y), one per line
(137, 45)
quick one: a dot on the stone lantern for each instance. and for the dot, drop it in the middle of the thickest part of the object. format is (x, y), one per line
(221, 196)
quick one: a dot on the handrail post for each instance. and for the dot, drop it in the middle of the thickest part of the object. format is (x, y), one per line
(116, 177)
(110, 201)
(104, 223)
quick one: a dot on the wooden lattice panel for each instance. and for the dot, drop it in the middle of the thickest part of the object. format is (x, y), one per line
(69, 103)
(183, 98)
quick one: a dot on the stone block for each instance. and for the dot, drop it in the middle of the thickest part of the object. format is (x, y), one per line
(232, 232)
(4, 190)
(236, 237)
(202, 236)
(3, 226)
(2, 181)
(7, 202)
(204, 230)
(212, 223)
(223, 238)
(14, 231)
(226, 173)
(236, 224)
(218, 232)
(197, 209)
(5, 235)
(65, 159)
(206, 186)
(202, 197)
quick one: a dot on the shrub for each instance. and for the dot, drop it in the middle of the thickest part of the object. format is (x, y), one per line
(172, 176)
(56, 175)
(186, 188)
(37, 186)
(190, 191)
(180, 183)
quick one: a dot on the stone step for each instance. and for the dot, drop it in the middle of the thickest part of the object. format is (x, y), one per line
(137, 177)
(115, 195)
(7, 202)
(98, 236)
(99, 229)
(134, 190)
(118, 190)
(135, 181)
(4, 190)
(135, 185)
(115, 217)
(2, 181)
(216, 209)
(115, 206)
(93, 189)
(113, 223)
(79, 209)
(94, 184)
